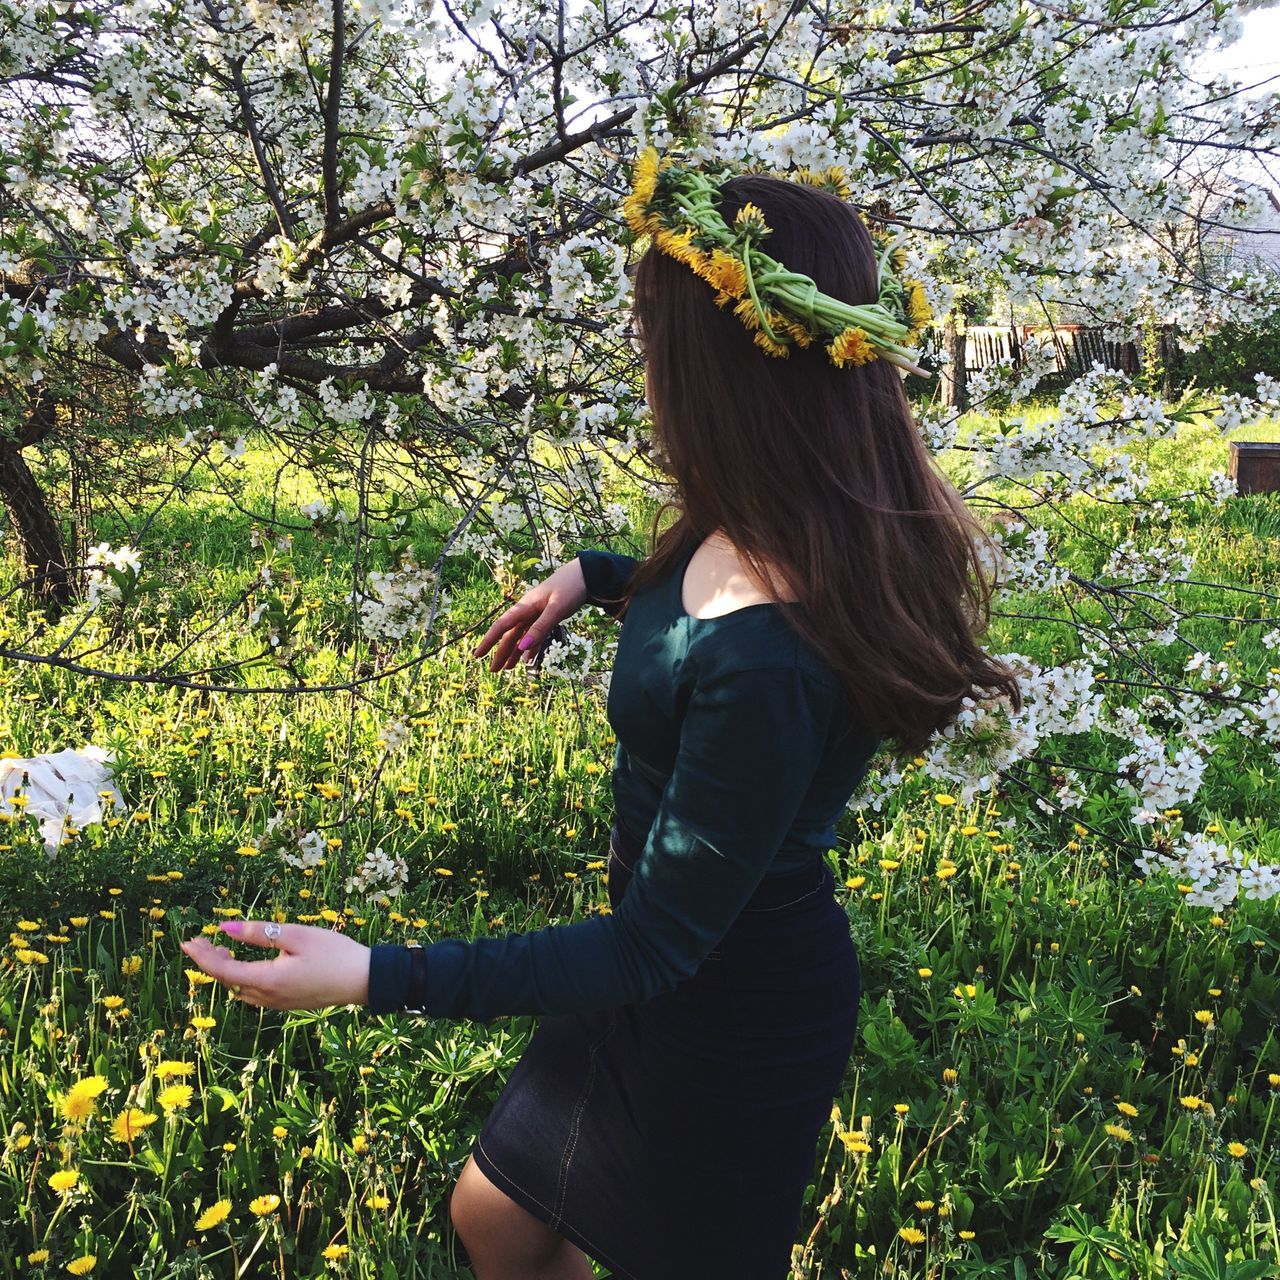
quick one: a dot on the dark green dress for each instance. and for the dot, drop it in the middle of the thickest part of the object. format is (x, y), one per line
(737, 752)
(665, 1115)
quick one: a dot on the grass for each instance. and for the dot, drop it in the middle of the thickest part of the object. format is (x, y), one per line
(1060, 1066)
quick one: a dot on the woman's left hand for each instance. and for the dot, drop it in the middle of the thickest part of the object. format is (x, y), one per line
(313, 968)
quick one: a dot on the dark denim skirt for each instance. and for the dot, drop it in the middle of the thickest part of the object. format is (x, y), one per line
(674, 1139)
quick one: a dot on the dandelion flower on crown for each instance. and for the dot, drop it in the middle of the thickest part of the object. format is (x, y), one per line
(678, 207)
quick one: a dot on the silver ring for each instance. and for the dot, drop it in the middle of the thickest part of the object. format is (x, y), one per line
(271, 929)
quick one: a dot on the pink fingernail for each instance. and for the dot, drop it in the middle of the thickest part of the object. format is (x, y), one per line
(524, 642)
(234, 927)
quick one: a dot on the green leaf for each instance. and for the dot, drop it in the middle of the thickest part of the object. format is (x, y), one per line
(225, 1096)
(891, 1041)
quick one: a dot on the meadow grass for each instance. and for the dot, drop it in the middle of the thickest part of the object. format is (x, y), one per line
(1061, 1069)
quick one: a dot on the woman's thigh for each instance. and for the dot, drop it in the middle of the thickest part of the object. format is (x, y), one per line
(488, 1219)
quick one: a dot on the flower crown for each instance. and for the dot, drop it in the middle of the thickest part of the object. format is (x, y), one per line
(676, 205)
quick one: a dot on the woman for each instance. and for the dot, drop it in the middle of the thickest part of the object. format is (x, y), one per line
(818, 596)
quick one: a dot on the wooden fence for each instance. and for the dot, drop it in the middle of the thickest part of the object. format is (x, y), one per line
(1077, 346)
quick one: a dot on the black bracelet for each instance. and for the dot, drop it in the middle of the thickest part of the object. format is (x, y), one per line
(416, 996)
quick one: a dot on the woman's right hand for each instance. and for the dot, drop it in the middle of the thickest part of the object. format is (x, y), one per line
(523, 628)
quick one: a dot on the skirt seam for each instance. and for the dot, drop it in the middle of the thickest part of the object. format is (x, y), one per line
(598, 1254)
(581, 1103)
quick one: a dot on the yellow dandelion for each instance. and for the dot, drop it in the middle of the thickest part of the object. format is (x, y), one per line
(644, 182)
(950, 1075)
(751, 218)
(64, 1180)
(377, 1201)
(1204, 1017)
(75, 1106)
(725, 272)
(850, 346)
(30, 956)
(917, 307)
(943, 799)
(78, 1102)
(130, 1123)
(835, 181)
(746, 312)
(925, 972)
(769, 346)
(911, 1235)
(1119, 1132)
(1192, 1103)
(679, 245)
(202, 1022)
(792, 328)
(335, 1252)
(169, 1068)
(263, 1205)
(37, 1256)
(130, 965)
(1236, 1149)
(831, 179)
(216, 1213)
(82, 1265)
(924, 1205)
(1126, 1109)
(176, 1095)
(902, 1107)
(90, 1086)
(967, 1235)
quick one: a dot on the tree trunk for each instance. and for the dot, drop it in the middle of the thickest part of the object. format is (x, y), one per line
(951, 375)
(37, 528)
(1169, 355)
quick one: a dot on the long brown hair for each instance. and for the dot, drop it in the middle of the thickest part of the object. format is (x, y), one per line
(819, 471)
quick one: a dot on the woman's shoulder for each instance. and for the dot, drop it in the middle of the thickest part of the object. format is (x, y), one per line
(763, 641)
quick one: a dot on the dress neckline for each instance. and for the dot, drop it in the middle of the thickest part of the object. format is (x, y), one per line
(677, 578)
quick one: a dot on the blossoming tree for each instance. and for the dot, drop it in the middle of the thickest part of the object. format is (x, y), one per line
(387, 236)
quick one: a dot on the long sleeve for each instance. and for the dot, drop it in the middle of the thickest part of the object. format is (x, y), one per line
(750, 743)
(606, 574)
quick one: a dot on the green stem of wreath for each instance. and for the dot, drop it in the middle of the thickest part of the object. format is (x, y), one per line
(751, 288)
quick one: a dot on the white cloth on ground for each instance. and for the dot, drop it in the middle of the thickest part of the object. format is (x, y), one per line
(62, 787)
